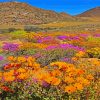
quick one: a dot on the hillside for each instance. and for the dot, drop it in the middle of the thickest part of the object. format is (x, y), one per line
(16, 13)
(95, 12)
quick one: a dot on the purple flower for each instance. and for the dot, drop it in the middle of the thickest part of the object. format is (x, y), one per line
(84, 35)
(37, 55)
(10, 46)
(62, 37)
(65, 46)
(1, 58)
(48, 38)
(51, 47)
(97, 35)
(69, 60)
(45, 84)
(35, 80)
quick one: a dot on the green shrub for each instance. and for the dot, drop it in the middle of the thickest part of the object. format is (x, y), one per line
(93, 39)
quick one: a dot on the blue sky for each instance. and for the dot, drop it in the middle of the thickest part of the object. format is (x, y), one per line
(72, 7)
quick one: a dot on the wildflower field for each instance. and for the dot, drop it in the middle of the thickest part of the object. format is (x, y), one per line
(50, 66)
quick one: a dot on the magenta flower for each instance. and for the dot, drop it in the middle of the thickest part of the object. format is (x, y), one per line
(97, 35)
(1, 58)
(48, 38)
(62, 37)
(45, 84)
(51, 47)
(10, 46)
(65, 46)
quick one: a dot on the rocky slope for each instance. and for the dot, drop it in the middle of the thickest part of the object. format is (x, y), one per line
(14, 13)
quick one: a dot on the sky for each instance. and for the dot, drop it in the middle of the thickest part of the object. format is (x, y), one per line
(72, 7)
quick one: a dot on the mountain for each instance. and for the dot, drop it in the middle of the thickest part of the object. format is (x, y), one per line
(95, 12)
(17, 13)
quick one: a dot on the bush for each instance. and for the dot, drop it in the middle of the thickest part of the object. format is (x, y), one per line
(54, 55)
(94, 52)
(32, 28)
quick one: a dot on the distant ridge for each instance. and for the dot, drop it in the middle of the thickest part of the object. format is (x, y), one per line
(94, 12)
(14, 13)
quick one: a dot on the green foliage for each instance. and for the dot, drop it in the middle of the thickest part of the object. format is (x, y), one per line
(19, 32)
(93, 39)
(54, 55)
(94, 52)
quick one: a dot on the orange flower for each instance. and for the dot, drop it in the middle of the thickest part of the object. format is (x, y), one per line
(80, 72)
(71, 74)
(71, 68)
(61, 65)
(74, 58)
(70, 89)
(30, 64)
(23, 76)
(36, 66)
(55, 81)
(89, 77)
(30, 59)
(56, 73)
(9, 78)
(80, 54)
(80, 79)
(85, 82)
(6, 67)
(48, 80)
(21, 70)
(10, 58)
(69, 80)
(21, 59)
(11, 72)
(0, 75)
(78, 86)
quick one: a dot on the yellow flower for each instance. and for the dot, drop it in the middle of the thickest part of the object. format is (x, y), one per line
(30, 59)
(80, 54)
(21, 59)
(21, 70)
(96, 62)
(23, 76)
(85, 82)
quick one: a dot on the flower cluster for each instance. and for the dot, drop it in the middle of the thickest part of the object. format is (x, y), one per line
(10, 47)
(64, 75)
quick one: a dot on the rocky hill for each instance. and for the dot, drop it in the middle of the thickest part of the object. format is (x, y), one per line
(15, 13)
(95, 12)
